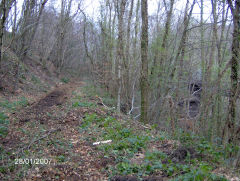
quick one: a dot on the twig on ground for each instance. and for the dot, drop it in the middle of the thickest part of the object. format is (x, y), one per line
(42, 137)
(109, 108)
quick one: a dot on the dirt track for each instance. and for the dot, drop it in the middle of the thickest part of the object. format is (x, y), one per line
(52, 113)
(49, 128)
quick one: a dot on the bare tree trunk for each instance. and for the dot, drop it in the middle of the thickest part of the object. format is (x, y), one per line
(235, 10)
(157, 64)
(29, 24)
(120, 50)
(166, 32)
(4, 9)
(165, 38)
(37, 21)
(14, 28)
(136, 30)
(126, 77)
(144, 85)
(208, 125)
(219, 42)
(135, 56)
(182, 45)
(62, 29)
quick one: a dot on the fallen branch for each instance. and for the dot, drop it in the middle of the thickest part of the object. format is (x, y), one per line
(102, 142)
(146, 127)
(109, 108)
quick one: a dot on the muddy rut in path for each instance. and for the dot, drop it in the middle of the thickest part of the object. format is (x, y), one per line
(80, 165)
(53, 98)
(38, 109)
(66, 146)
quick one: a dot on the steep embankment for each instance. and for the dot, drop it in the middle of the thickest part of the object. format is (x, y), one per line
(52, 139)
(26, 78)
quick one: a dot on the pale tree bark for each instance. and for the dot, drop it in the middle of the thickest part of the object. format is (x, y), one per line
(121, 5)
(136, 31)
(134, 63)
(144, 85)
(126, 83)
(202, 41)
(113, 43)
(111, 27)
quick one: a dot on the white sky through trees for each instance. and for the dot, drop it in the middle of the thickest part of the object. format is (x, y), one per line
(91, 7)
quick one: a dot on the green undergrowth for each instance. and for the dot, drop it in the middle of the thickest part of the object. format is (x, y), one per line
(83, 104)
(15, 160)
(65, 80)
(35, 79)
(216, 153)
(91, 90)
(4, 122)
(13, 105)
(79, 101)
(127, 142)
(7, 106)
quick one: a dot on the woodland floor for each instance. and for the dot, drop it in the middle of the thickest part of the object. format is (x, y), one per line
(62, 125)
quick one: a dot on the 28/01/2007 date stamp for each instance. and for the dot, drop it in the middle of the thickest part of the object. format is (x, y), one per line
(32, 161)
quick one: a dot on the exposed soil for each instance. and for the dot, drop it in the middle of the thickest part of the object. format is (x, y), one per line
(50, 100)
(39, 108)
(49, 128)
(51, 111)
(181, 153)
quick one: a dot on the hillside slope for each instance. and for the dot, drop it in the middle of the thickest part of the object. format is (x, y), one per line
(52, 139)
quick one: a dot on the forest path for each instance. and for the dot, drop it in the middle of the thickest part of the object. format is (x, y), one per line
(52, 139)
(48, 130)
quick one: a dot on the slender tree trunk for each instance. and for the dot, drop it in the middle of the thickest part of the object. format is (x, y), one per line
(220, 53)
(63, 22)
(136, 31)
(4, 9)
(127, 60)
(166, 33)
(158, 64)
(37, 21)
(14, 28)
(202, 42)
(120, 50)
(144, 85)
(182, 45)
